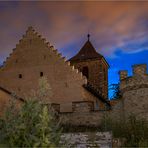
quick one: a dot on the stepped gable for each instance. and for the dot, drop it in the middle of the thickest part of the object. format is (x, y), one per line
(34, 56)
(30, 33)
(27, 41)
(29, 36)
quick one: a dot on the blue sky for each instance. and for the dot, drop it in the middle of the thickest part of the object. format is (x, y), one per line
(119, 30)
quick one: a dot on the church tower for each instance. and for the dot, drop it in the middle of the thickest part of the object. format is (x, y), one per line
(94, 66)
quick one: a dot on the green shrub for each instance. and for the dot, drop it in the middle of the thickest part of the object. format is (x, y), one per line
(33, 125)
(135, 131)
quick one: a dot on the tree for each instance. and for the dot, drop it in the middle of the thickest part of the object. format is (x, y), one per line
(115, 88)
(33, 124)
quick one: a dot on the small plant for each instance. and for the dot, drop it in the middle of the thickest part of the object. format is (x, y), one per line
(135, 131)
(32, 125)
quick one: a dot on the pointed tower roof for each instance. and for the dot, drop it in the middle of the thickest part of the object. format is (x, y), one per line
(86, 52)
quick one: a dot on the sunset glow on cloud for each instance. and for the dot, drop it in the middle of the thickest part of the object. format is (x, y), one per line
(119, 30)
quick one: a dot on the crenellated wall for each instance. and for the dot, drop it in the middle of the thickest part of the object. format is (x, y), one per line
(134, 91)
(138, 80)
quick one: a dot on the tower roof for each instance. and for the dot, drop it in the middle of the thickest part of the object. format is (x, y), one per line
(86, 52)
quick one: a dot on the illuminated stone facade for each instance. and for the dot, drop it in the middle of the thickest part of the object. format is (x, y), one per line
(34, 58)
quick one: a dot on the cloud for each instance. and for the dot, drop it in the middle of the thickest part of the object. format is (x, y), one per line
(112, 25)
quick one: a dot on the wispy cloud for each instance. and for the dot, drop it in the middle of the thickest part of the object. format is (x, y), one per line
(112, 25)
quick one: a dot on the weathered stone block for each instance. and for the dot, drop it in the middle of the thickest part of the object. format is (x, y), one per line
(139, 69)
(82, 106)
(123, 74)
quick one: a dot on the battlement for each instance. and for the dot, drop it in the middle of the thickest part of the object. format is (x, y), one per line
(138, 80)
(139, 69)
(123, 74)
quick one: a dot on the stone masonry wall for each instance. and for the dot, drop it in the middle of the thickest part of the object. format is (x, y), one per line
(98, 73)
(135, 92)
(5, 100)
(84, 114)
(134, 101)
(88, 139)
(33, 58)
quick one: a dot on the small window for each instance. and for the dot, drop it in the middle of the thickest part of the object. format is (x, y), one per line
(41, 74)
(20, 76)
(85, 72)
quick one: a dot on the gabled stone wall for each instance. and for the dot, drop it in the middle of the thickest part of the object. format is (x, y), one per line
(33, 58)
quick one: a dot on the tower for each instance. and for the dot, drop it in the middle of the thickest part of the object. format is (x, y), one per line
(93, 65)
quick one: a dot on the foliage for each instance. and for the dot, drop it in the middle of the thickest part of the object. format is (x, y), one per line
(115, 88)
(32, 125)
(135, 131)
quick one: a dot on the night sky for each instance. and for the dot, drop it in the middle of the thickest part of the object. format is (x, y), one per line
(119, 30)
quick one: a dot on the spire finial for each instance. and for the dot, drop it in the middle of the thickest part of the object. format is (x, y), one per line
(88, 35)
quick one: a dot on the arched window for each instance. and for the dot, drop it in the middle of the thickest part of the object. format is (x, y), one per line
(85, 72)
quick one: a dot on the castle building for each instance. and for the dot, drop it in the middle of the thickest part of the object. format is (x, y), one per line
(34, 58)
(80, 92)
(94, 66)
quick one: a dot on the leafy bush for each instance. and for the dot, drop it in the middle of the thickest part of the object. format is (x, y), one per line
(32, 125)
(135, 131)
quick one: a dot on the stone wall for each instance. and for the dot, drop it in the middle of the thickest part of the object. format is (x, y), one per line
(134, 91)
(89, 139)
(98, 73)
(92, 119)
(5, 100)
(84, 114)
(33, 58)
(98, 104)
(134, 101)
